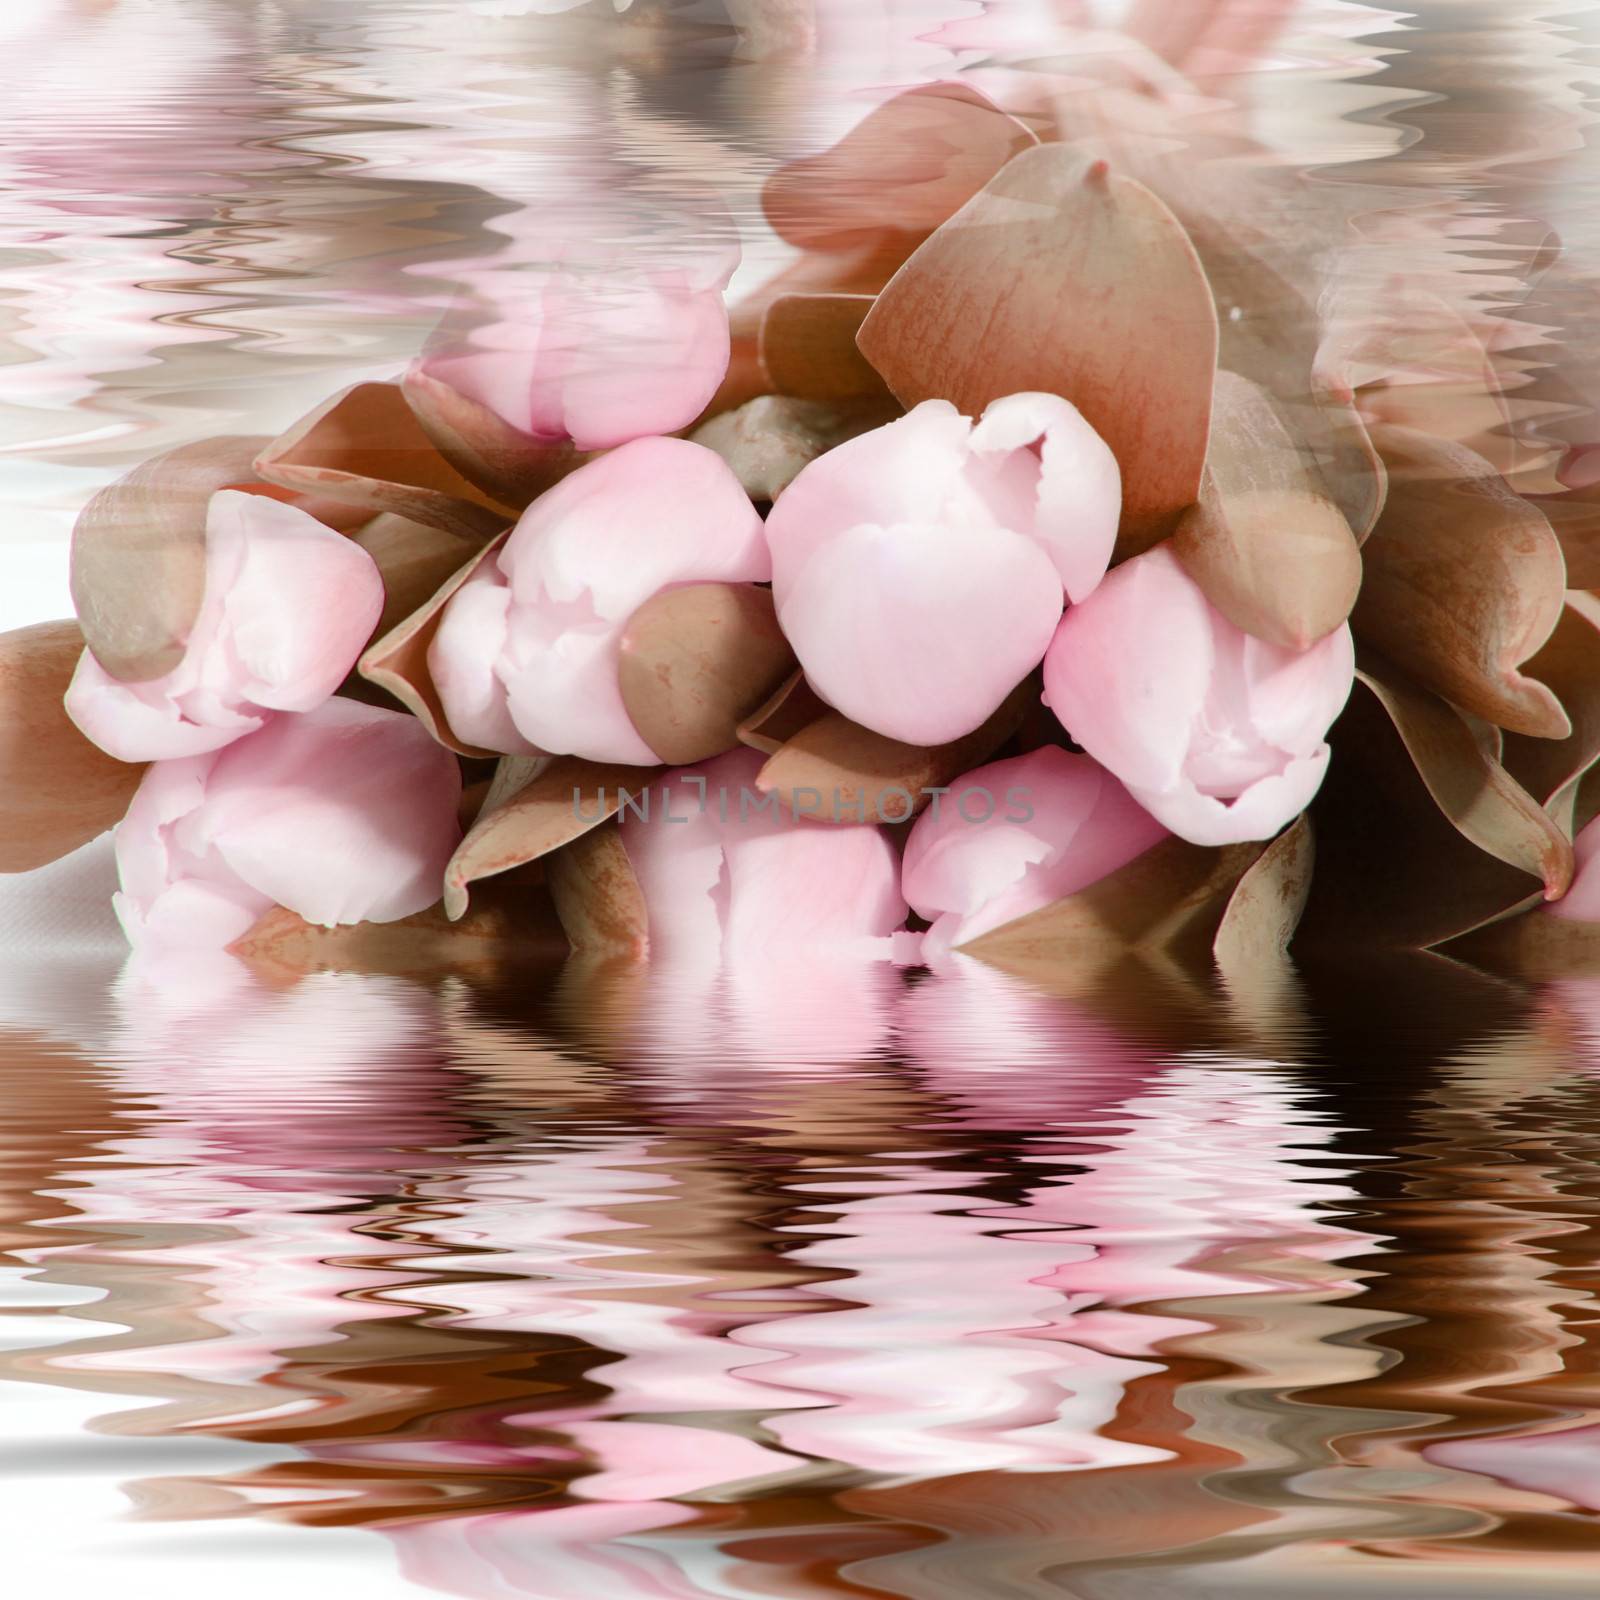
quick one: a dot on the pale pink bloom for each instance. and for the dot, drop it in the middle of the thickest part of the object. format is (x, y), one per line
(1581, 903)
(610, 339)
(1219, 735)
(525, 658)
(287, 608)
(1014, 836)
(342, 814)
(919, 569)
(732, 876)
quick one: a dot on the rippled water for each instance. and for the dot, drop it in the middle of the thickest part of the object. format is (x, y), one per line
(623, 1282)
(638, 1283)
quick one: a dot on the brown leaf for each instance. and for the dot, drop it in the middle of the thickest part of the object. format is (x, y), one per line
(901, 171)
(1394, 872)
(510, 924)
(1552, 770)
(795, 706)
(398, 661)
(563, 802)
(808, 347)
(364, 447)
(597, 896)
(414, 560)
(858, 775)
(1169, 899)
(768, 441)
(981, 311)
(509, 467)
(1574, 518)
(57, 790)
(1265, 909)
(1469, 784)
(139, 555)
(1272, 551)
(1464, 582)
(695, 661)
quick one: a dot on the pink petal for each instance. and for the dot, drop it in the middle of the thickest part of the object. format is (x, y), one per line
(1059, 823)
(302, 606)
(1079, 494)
(653, 512)
(1262, 810)
(466, 649)
(1295, 695)
(725, 872)
(288, 606)
(921, 632)
(1128, 670)
(903, 472)
(343, 814)
(142, 722)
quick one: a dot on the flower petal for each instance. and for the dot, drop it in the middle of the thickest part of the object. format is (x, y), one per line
(1079, 496)
(920, 632)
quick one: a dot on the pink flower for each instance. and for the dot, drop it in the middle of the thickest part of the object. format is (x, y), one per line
(1014, 836)
(1219, 735)
(525, 658)
(288, 605)
(342, 814)
(722, 875)
(919, 569)
(629, 344)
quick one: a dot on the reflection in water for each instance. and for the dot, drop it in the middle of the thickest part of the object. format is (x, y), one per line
(562, 1295)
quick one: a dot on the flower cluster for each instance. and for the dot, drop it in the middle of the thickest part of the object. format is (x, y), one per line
(986, 500)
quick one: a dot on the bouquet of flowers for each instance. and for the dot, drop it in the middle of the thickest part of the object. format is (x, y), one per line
(1035, 567)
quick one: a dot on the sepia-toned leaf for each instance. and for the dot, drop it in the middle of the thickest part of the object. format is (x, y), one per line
(364, 447)
(807, 345)
(398, 661)
(901, 171)
(982, 310)
(508, 467)
(414, 560)
(1168, 899)
(139, 555)
(1266, 906)
(1468, 782)
(1394, 871)
(857, 775)
(695, 661)
(512, 923)
(597, 896)
(1552, 770)
(1272, 551)
(1463, 583)
(563, 802)
(769, 441)
(57, 790)
(1574, 518)
(794, 706)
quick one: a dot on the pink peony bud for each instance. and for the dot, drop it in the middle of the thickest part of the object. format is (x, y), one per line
(288, 606)
(525, 658)
(1219, 735)
(919, 569)
(1016, 835)
(724, 870)
(595, 352)
(342, 814)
